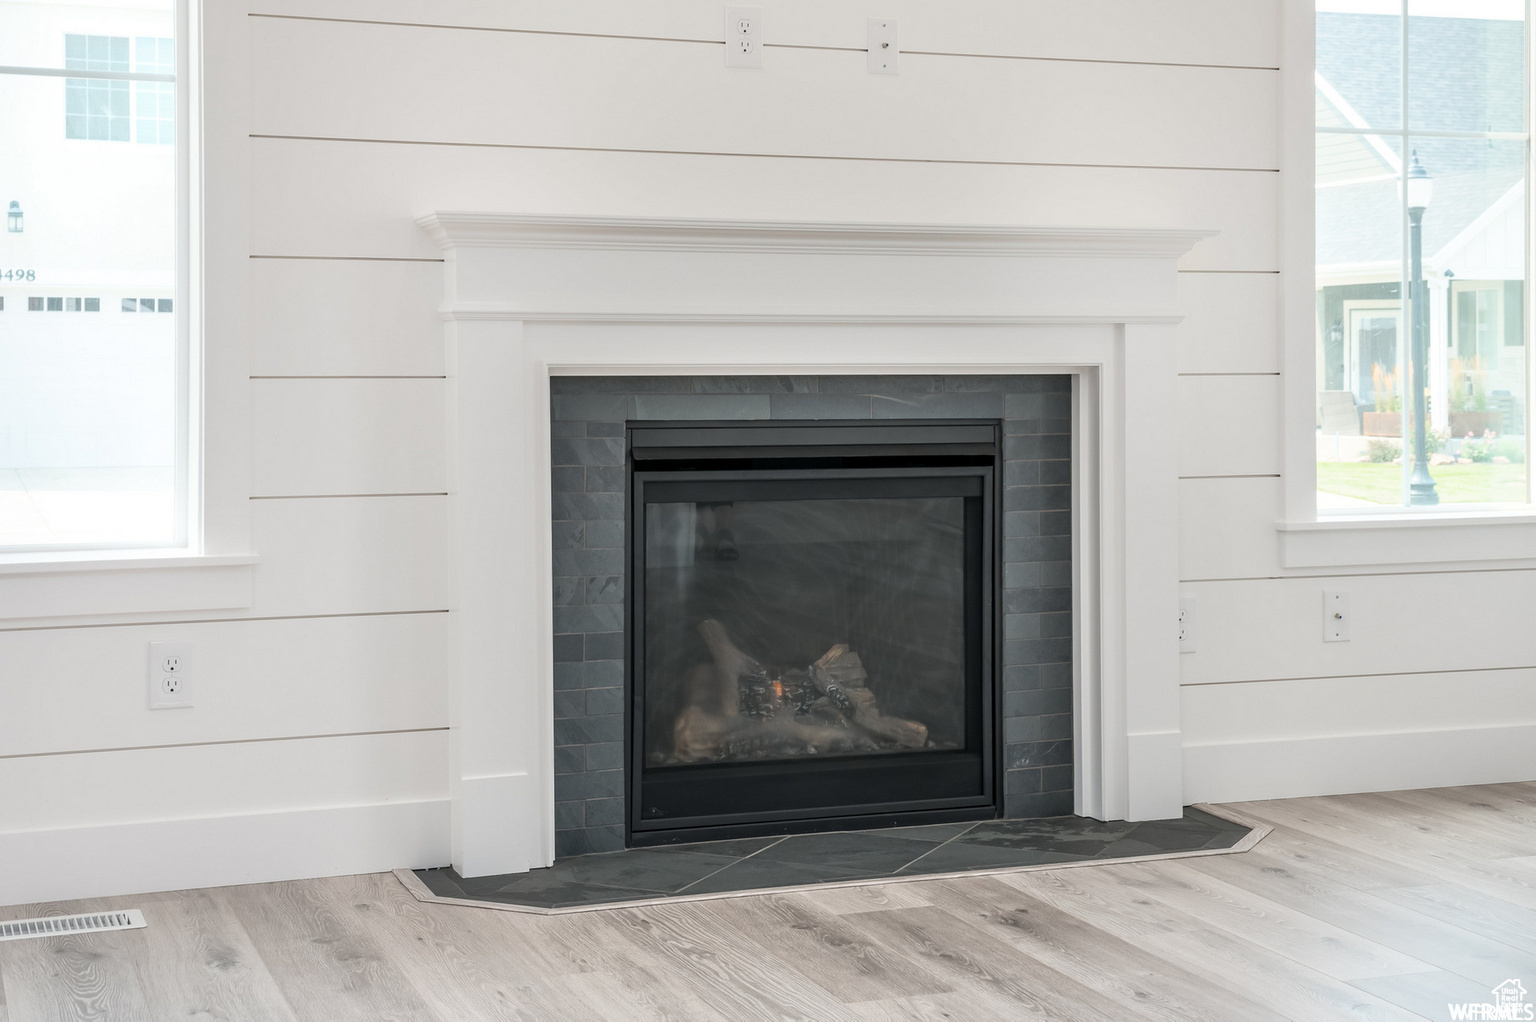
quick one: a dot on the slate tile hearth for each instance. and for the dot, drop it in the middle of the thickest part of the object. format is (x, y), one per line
(766, 863)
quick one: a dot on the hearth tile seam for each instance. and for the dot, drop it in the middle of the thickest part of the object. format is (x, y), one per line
(735, 862)
(744, 858)
(775, 844)
(652, 890)
(936, 847)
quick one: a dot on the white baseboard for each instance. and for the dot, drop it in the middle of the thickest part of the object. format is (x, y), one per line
(1340, 764)
(168, 855)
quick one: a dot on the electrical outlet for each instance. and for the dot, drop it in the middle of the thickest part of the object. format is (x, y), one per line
(1335, 616)
(882, 46)
(1186, 624)
(170, 675)
(744, 37)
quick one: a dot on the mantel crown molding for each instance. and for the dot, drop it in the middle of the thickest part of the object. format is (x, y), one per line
(452, 229)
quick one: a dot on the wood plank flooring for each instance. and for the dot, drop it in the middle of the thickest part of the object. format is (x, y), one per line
(1383, 906)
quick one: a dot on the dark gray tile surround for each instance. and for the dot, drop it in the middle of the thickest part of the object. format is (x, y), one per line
(753, 864)
(587, 444)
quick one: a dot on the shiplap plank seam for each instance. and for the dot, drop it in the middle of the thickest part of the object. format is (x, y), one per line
(1352, 677)
(702, 41)
(843, 157)
(223, 742)
(631, 37)
(223, 620)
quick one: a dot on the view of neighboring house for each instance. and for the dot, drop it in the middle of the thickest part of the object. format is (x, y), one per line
(88, 341)
(1463, 75)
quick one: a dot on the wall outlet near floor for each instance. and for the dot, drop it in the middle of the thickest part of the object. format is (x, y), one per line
(743, 37)
(1335, 616)
(1186, 624)
(170, 671)
(882, 46)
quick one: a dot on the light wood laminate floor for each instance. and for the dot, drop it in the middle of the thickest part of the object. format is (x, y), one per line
(1383, 906)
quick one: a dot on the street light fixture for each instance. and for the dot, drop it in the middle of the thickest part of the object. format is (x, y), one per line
(1419, 187)
(13, 218)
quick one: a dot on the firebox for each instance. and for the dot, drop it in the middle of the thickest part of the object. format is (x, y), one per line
(811, 625)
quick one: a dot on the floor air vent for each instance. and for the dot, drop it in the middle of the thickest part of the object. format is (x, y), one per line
(85, 922)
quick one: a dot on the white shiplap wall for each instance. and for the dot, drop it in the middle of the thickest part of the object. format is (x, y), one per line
(321, 711)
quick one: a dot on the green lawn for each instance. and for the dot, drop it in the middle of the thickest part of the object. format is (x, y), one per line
(1456, 484)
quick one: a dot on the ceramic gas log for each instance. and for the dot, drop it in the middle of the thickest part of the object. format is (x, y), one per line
(742, 710)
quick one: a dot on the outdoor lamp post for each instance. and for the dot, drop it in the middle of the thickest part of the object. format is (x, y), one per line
(1419, 187)
(13, 218)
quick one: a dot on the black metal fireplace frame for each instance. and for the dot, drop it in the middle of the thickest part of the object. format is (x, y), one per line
(863, 457)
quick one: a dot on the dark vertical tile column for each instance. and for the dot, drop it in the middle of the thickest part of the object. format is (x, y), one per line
(587, 428)
(1037, 597)
(587, 448)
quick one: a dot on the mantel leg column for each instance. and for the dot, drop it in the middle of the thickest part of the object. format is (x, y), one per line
(1154, 746)
(500, 760)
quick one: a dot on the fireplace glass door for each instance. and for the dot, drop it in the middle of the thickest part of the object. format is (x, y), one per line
(808, 643)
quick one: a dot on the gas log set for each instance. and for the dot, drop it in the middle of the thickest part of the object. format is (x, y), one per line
(742, 709)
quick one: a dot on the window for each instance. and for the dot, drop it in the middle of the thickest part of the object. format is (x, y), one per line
(94, 446)
(154, 103)
(1421, 319)
(96, 108)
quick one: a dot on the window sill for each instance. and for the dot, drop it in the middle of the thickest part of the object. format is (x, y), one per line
(1475, 537)
(97, 583)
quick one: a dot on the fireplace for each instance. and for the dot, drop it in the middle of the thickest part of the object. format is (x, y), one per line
(535, 302)
(811, 627)
(812, 601)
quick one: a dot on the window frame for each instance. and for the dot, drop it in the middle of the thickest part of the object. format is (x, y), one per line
(211, 567)
(1391, 536)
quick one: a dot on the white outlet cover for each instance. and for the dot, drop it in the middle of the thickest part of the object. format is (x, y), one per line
(170, 689)
(744, 37)
(1186, 624)
(882, 46)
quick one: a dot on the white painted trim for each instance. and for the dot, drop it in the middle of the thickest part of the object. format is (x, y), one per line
(149, 582)
(1341, 764)
(221, 435)
(1466, 539)
(502, 311)
(518, 230)
(115, 560)
(651, 297)
(1298, 257)
(1089, 746)
(173, 855)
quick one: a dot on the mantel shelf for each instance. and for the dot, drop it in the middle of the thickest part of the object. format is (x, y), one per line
(462, 229)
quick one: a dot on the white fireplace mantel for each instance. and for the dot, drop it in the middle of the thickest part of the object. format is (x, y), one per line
(529, 297)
